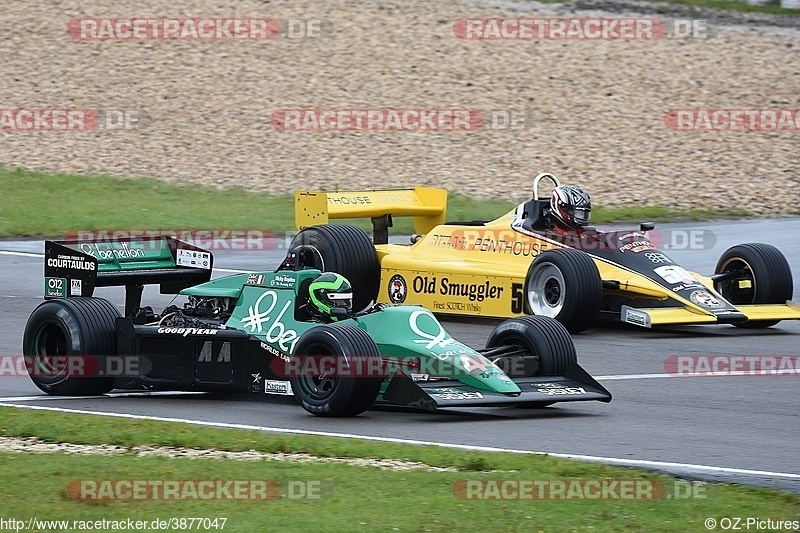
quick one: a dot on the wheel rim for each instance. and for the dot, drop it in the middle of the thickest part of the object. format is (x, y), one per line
(320, 386)
(50, 351)
(731, 289)
(546, 291)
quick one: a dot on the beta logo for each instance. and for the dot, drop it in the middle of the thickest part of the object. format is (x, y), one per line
(397, 289)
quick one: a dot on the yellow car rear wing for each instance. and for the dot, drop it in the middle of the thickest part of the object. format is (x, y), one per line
(427, 206)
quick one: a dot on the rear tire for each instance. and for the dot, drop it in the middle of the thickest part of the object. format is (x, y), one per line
(565, 285)
(352, 350)
(766, 270)
(59, 336)
(346, 250)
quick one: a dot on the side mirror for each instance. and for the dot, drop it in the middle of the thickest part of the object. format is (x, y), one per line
(647, 226)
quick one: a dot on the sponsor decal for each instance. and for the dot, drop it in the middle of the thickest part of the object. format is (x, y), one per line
(75, 287)
(255, 279)
(256, 377)
(55, 287)
(657, 258)
(562, 391)
(281, 281)
(73, 262)
(193, 259)
(440, 339)
(674, 274)
(637, 318)
(187, 331)
(420, 377)
(277, 334)
(456, 307)
(637, 246)
(474, 292)
(107, 253)
(706, 299)
(682, 286)
(275, 352)
(455, 394)
(557, 389)
(510, 244)
(274, 386)
(638, 235)
(348, 200)
(397, 289)
(454, 241)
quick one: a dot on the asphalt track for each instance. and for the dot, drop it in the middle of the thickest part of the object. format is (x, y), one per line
(741, 429)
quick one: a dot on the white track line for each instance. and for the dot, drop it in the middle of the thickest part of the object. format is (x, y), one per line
(578, 457)
(21, 254)
(32, 254)
(638, 376)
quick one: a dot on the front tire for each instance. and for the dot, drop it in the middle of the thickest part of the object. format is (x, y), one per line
(763, 276)
(340, 348)
(60, 338)
(565, 285)
(346, 250)
(540, 336)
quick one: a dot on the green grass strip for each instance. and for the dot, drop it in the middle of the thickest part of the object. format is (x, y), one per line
(36, 205)
(349, 497)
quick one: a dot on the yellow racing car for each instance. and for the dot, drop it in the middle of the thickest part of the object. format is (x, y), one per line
(541, 258)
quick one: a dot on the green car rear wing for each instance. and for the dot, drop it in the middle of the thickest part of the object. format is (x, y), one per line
(76, 267)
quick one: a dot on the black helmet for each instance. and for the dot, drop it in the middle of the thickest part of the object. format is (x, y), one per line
(571, 206)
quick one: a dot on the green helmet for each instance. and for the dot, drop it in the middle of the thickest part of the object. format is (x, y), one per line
(331, 291)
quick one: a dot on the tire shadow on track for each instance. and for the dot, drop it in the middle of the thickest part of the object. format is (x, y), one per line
(383, 412)
(665, 332)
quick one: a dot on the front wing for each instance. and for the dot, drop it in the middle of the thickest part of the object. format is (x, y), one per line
(574, 386)
(676, 316)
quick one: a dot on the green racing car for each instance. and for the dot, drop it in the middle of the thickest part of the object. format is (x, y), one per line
(291, 331)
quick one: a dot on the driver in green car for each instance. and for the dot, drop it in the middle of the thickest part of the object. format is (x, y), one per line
(330, 297)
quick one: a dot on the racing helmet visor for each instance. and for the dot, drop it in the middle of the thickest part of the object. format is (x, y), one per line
(581, 215)
(342, 300)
